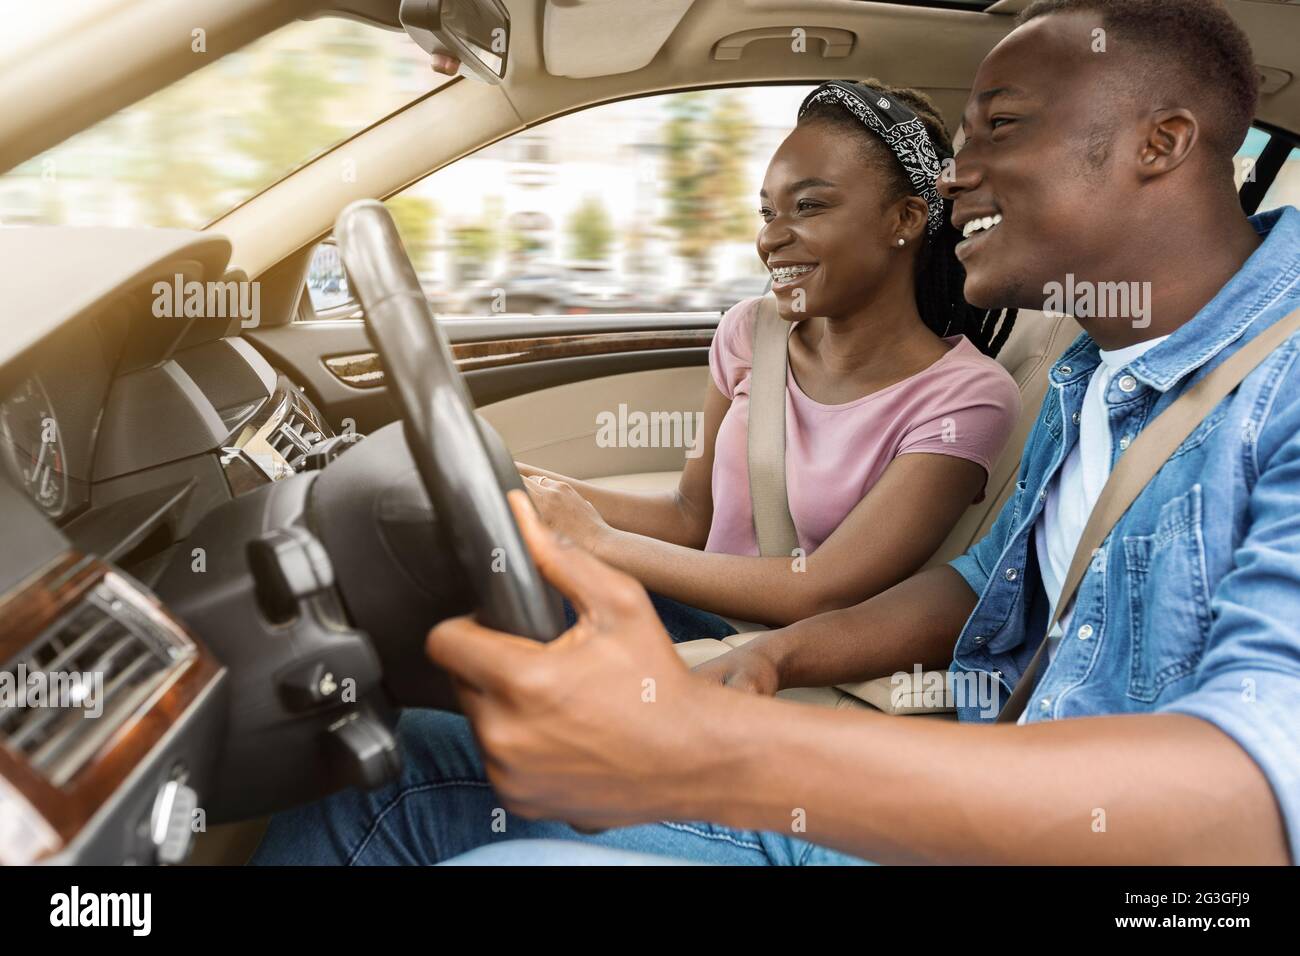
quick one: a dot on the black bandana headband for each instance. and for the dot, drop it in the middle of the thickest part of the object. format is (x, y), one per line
(900, 128)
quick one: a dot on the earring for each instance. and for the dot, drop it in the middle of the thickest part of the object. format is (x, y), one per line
(901, 241)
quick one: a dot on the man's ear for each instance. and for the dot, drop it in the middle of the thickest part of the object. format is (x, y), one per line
(1170, 139)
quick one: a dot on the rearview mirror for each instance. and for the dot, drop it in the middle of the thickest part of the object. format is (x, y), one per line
(477, 32)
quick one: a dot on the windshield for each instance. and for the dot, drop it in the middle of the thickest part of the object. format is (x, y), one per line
(223, 133)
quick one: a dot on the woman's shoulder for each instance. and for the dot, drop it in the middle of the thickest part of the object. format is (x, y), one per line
(736, 330)
(738, 321)
(968, 362)
(732, 355)
(967, 374)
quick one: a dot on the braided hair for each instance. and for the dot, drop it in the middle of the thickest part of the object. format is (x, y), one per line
(940, 277)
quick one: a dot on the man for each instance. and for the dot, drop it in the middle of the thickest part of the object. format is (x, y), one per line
(1108, 156)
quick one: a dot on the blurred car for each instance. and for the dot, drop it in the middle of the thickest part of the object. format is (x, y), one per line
(557, 288)
(721, 296)
(536, 288)
(441, 300)
(594, 287)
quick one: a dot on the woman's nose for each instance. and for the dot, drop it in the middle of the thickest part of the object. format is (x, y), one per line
(773, 236)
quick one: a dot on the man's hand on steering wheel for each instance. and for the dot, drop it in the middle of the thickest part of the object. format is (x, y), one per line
(463, 465)
(595, 727)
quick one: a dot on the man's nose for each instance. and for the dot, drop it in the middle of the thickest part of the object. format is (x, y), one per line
(958, 174)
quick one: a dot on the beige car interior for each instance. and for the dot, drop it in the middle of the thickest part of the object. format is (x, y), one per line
(556, 429)
(567, 55)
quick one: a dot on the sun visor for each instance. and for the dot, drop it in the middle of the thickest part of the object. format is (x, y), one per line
(585, 38)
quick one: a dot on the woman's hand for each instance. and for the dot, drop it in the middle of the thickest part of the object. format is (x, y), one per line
(741, 669)
(566, 512)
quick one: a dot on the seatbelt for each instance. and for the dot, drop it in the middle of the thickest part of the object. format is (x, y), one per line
(1139, 464)
(766, 434)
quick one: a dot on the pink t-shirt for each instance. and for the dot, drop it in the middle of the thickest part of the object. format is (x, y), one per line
(965, 404)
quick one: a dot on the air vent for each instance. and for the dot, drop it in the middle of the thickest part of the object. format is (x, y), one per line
(295, 437)
(84, 677)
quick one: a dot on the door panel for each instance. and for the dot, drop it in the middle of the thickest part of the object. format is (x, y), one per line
(502, 357)
(568, 428)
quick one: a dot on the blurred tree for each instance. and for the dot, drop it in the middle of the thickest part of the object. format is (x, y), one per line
(291, 122)
(707, 139)
(728, 145)
(174, 182)
(590, 231)
(415, 216)
(523, 246)
(475, 246)
(682, 138)
(636, 259)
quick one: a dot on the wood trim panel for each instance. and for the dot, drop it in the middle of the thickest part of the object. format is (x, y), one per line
(28, 612)
(365, 369)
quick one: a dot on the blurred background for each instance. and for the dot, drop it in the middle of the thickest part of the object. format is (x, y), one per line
(647, 205)
(643, 205)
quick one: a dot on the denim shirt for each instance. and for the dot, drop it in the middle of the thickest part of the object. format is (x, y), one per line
(1192, 604)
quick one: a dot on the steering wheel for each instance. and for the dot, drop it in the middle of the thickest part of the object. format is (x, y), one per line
(463, 465)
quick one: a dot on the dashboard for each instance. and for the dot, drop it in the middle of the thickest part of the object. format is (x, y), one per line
(32, 451)
(119, 432)
(51, 418)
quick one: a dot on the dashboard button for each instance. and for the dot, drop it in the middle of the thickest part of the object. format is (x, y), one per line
(288, 565)
(171, 825)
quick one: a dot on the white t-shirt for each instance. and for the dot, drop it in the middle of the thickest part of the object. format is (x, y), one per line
(1077, 486)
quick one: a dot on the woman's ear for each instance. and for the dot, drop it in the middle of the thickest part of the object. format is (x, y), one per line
(913, 213)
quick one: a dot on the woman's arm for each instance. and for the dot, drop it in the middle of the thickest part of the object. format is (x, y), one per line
(681, 517)
(888, 536)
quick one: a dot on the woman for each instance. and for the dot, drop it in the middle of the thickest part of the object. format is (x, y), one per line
(895, 409)
(893, 417)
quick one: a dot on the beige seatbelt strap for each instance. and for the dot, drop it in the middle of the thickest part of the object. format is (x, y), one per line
(1139, 464)
(766, 437)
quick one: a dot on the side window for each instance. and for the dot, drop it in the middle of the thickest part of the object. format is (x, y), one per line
(1243, 164)
(646, 205)
(1284, 188)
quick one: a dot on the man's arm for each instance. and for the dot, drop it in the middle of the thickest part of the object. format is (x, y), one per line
(1149, 788)
(605, 727)
(914, 622)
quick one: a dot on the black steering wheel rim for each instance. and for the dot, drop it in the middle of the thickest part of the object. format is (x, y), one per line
(465, 476)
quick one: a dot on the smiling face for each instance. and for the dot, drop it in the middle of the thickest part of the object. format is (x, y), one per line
(829, 222)
(1042, 186)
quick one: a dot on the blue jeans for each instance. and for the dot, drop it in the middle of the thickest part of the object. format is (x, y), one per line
(681, 621)
(442, 806)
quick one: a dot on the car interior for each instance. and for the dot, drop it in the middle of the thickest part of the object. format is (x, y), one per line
(250, 521)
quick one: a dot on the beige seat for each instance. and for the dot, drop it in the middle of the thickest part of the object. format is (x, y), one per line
(1035, 343)
(652, 481)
